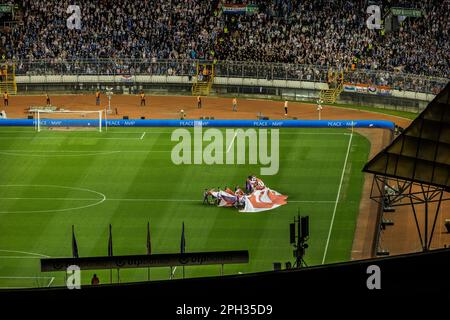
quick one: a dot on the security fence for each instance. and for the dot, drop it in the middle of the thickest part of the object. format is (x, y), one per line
(228, 69)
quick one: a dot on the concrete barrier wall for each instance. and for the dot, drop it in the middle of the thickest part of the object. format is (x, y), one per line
(243, 87)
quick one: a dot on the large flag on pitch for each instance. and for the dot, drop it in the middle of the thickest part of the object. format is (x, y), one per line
(74, 244)
(183, 240)
(110, 244)
(149, 244)
(263, 200)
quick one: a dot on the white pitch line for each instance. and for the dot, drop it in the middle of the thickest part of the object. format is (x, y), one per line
(99, 200)
(173, 271)
(232, 142)
(65, 137)
(140, 199)
(142, 137)
(25, 252)
(41, 154)
(18, 257)
(285, 131)
(16, 278)
(315, 133)
(35, 154)
(51, 281)
(52, 199)
(337, 198)
(26, 277)
(81, 133)
(67, 151)
(311, 201)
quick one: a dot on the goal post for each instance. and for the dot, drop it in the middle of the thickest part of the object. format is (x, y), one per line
(71, 120)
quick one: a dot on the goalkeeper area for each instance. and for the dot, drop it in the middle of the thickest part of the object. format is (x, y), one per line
(52, 180)
(51, 119)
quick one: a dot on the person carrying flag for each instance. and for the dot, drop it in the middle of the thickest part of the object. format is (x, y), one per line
(206, 197)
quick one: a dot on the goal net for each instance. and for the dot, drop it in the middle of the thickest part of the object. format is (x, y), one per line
(70, 120)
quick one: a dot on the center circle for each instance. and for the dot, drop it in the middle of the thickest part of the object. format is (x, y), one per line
(48, 194)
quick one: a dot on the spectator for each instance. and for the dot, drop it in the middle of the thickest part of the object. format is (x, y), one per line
(95, 280)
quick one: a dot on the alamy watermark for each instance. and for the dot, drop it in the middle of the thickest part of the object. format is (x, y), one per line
(374, 20)
(374, 280)
(213, 146)
(74, 21)
(73, 277)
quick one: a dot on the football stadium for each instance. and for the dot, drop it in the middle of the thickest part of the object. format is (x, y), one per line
(179, 144)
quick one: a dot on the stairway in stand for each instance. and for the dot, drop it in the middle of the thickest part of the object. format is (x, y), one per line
(331, 95)
(204, 80)
(8, 78)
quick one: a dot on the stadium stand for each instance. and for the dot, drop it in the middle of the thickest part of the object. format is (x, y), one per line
(326, 33)
(284, 39)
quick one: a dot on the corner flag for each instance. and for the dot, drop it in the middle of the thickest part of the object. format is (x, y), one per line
(183, 240)
(110, 244)
(74, 244)
(149, 245)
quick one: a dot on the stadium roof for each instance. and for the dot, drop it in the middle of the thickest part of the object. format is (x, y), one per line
(422, 152)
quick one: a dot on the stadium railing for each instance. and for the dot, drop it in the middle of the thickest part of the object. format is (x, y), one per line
(228, 69)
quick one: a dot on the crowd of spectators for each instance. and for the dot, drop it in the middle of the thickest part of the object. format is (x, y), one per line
(121, 28)
(309, 32)
(334, 33)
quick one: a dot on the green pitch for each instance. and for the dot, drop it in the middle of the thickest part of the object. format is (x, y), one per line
(52, 180)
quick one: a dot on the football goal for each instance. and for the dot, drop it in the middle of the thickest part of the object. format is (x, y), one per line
(70, 120)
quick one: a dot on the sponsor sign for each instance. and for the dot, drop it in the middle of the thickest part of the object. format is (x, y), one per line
(146, 261)
(368, 89)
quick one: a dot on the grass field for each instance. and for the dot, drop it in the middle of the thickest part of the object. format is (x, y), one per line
(53, 180)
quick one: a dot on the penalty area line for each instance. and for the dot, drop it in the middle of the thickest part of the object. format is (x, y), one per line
(143, 135)
(337, 198)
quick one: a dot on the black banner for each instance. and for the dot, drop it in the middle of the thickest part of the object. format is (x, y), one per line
(146, 261)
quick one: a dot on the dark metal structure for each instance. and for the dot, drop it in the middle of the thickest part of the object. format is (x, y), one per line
(299, 235)
(414, 169)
